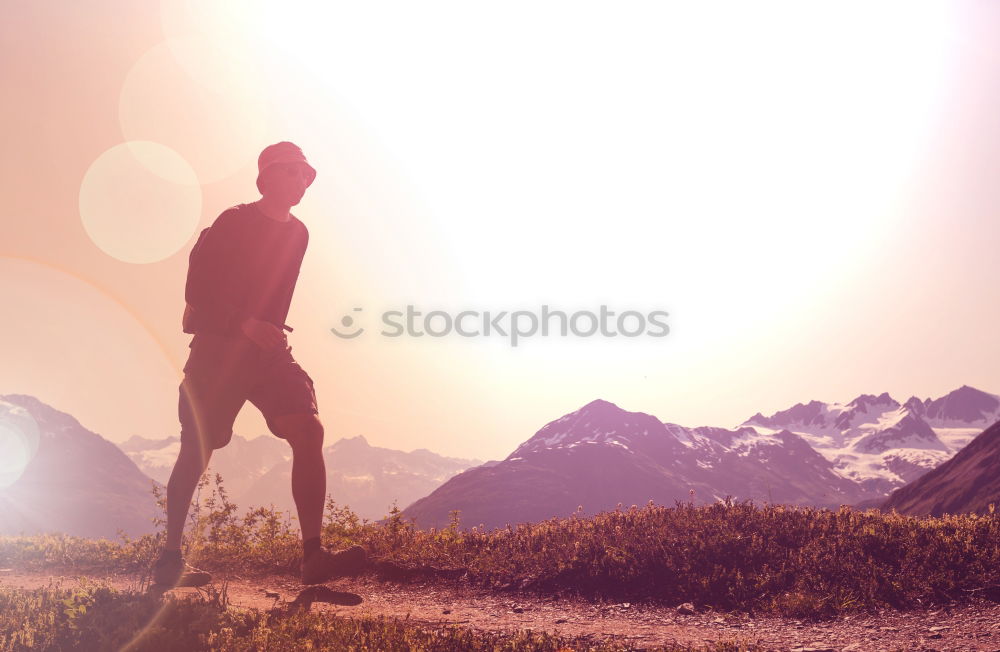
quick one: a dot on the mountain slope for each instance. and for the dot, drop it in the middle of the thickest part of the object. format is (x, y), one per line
(968, 482)
(57, 476)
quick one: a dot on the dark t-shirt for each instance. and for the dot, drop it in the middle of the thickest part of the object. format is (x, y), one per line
(246, 266)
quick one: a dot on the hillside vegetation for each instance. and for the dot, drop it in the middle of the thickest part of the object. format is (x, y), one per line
(727, 555)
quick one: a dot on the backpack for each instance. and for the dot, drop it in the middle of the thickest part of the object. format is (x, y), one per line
(188, 324)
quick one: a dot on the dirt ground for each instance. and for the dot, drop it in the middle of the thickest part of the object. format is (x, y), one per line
(974, 626)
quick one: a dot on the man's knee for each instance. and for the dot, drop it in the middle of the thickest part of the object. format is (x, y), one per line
(301, 430)
(193, 458)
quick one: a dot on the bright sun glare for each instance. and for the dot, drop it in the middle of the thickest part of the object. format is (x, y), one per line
(661, 152)
(711, 160)
(18, 444)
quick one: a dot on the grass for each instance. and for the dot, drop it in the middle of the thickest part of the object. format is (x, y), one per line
(792, 561)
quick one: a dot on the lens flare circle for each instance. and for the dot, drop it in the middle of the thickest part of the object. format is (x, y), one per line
(140, 202)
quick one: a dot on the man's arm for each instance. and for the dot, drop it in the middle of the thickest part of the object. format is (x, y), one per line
(214, 286)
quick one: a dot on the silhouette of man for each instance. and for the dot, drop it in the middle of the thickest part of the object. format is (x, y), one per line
(239, 287)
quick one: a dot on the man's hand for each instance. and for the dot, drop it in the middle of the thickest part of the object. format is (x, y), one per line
(265, 334)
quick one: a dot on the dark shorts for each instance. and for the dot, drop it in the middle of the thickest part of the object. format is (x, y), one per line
(222, 373)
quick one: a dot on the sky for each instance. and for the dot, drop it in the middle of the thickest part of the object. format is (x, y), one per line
(807, 190)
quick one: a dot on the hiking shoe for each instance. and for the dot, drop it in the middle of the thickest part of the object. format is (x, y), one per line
(323, 564)
(173, 572)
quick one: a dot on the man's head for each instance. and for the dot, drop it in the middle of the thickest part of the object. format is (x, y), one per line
(284, 173)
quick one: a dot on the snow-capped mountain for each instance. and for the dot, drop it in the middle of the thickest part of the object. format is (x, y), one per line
(602, 455)
(883, 444)
(816, 453)
(601, 422)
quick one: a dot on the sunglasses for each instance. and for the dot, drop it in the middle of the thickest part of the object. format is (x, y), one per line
(291, 168)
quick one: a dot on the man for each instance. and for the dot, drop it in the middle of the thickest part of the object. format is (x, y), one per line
(239, 287)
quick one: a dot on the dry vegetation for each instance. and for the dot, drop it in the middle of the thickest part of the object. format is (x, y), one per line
(799, 562)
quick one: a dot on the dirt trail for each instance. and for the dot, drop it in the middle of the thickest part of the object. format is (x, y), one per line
(974, 626)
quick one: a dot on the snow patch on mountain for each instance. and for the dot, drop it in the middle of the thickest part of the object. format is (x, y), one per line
(877, 440)
(957, 438)
(159, 457)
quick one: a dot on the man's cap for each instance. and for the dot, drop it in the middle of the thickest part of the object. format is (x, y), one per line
(283, 152)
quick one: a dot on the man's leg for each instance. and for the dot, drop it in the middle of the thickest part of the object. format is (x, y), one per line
(304, 433)
(207, 407)
(191, 463)
(169, 569)
(287, 399)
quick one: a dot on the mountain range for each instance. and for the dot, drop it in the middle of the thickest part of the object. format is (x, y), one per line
(55, 475)
(368, 479)
(241, 463)
(882, 444)
(816, 453)
(258, 472)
